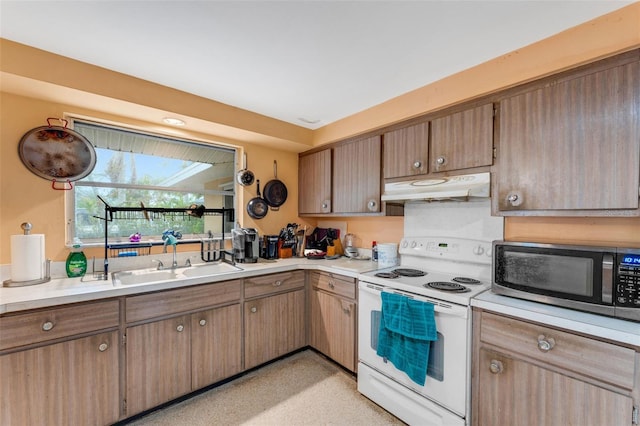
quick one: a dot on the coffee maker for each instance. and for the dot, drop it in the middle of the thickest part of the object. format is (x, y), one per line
(246, 245)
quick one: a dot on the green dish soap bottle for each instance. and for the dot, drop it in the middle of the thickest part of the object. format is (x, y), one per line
(76, 261)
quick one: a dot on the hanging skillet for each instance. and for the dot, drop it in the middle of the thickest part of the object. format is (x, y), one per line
(57, 154)
(245, 177)
(257, 207)
(275, 191)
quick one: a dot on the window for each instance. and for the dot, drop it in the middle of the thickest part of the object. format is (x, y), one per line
(135, 169)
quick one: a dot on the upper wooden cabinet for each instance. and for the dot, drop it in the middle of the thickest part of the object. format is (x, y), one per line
(356, 176)
(572, 147)
(462, 140)
(314, 183)
(406, 151)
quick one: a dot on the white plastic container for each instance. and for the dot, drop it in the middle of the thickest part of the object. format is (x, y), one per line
(387, 255)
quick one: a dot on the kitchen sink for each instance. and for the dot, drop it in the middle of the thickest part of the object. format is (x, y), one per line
(150, 276)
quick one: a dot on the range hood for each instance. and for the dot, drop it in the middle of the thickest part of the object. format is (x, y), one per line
(452, 188)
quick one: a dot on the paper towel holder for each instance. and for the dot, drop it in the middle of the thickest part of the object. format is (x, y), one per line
(26, 228)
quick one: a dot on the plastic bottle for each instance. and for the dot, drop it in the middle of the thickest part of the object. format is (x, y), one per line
(76, 261)
(374, 251)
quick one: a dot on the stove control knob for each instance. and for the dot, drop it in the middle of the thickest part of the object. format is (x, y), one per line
(478, 250)
(413, 244)
(405, 244)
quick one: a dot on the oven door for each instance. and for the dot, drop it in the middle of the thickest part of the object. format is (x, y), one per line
(447, 373)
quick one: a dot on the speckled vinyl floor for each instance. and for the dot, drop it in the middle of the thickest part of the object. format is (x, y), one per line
(303, 389)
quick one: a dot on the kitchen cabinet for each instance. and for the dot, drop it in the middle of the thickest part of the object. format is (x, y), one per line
(356, 176)
(528, 373)
(314, 183)
(462, 140)
(406, 151)
(60, 365)
(274, 316)
(332, 317)
(571, 146)
(178, 341)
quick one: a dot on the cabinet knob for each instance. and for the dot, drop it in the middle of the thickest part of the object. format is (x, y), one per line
(254, 309)
(496, 366)
(331, 284)
(277, 283)
(47, 326)
(372, 205)
(347, 310)
(417, 164)
(441, 161)
(326, 206)
(103, 347)
(545, 344)
(180, 328)
(514, 198)
(203, 322)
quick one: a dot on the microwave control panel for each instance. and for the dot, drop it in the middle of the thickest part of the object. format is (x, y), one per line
(627, 286)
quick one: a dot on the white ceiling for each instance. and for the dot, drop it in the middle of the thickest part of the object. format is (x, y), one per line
(317, 61)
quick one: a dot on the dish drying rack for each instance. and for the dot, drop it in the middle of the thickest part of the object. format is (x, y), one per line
(211, 248)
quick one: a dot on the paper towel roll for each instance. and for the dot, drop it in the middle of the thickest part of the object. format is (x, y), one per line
(27, 257)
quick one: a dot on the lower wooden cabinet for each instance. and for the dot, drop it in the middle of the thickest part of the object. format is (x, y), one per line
(531, 374)
(69, 383)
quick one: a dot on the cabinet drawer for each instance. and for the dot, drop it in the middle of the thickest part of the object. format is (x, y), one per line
(169, 302)
(274, 283)
(604, 361)
(42, 325)
(332, 283)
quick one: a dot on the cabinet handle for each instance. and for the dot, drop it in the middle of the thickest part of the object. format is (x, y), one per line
(347, 310)
(441, 161)
(545, 344)
(103, 347)
(203, 322)
(278, 283)
(254, 309)
(417, 164)
(372, 205)
(496, 366)
(180, 328)
(331, 285)
(47, 326)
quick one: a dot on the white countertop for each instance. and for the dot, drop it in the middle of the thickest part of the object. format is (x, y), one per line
(582, 322)
(60, 291)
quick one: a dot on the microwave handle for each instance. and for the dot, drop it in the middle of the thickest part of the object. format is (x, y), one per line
(607, 278)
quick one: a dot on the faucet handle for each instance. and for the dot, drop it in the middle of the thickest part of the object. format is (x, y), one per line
(160, 264)
(187, 263)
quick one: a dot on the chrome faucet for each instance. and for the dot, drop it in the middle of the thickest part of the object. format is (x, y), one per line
(173, 241)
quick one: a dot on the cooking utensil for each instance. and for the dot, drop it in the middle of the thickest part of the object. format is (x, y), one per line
(257, 207)
(245, 177)
(275, 191)
(56, 153)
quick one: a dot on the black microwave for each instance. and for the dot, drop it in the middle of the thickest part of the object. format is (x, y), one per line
(602, 280)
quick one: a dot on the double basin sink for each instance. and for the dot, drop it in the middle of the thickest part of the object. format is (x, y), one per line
(153, 275)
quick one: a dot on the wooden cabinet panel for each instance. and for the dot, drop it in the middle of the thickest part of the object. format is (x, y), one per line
(572, 145)
(356, 176)
(274, 326)
(216, 345)
(38, 326)
(158, 363)
(273, 283)
(406, 151)
(314, 183)
(462, 140)
(333, 327)
(337, 284)
(515, 392)
(153, 305)
(69, 383)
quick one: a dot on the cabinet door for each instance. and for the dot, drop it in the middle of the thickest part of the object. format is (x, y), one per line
(333, 327)
(274, 326)
(69, 383)
(158, 363)
(406, 151)
(356, 176)
(462, 140)
(216, 345)
(314, 183)
(573, 145)
(515, 392)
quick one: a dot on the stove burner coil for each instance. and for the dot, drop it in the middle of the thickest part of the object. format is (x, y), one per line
(465, 280)
(387, 275)
(407, 272)
(447, 286)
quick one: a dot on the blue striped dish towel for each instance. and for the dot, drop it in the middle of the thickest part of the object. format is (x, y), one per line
(407, 327)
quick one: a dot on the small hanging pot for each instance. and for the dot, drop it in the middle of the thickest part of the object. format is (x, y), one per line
(275, 191)
(245, 177)
(257, 208)
(57, 154)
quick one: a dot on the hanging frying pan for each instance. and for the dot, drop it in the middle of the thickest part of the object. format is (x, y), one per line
(257, 207)
(57, 154)
(275, 191)
(245, 177)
